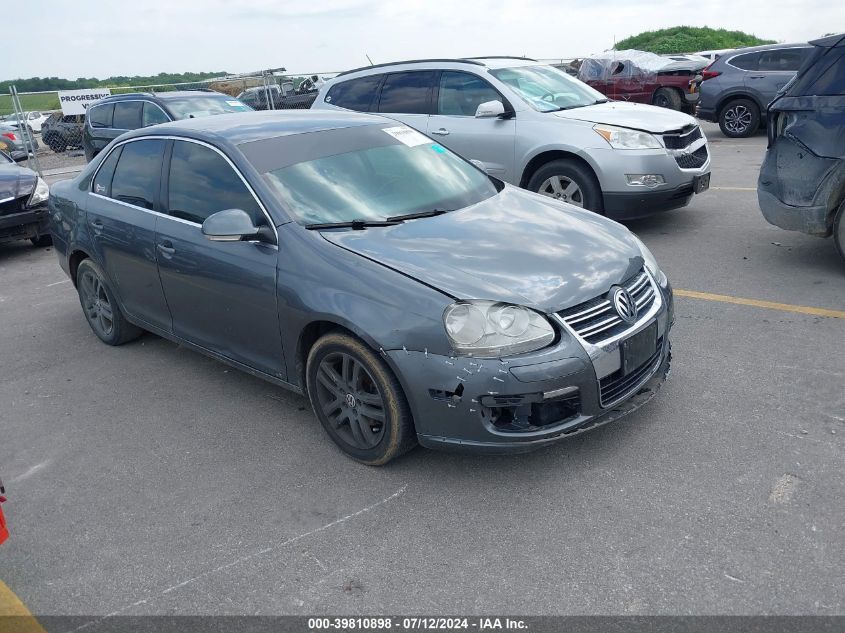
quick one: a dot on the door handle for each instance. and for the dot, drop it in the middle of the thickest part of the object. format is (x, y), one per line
(441, 132)
(97, 224)
(166, 247)
(757, 76)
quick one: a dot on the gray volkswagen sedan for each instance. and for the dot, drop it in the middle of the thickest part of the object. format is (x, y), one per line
(412, 297)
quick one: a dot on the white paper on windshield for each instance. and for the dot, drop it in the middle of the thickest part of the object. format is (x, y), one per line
(406, 135)
(234, 103)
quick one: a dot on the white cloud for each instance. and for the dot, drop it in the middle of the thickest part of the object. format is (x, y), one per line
(101, 38)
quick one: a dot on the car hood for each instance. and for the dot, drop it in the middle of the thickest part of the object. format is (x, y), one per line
(638, 116)
(516, 247)
(15, 181)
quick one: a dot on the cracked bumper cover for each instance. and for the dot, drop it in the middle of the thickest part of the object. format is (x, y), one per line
(451, 398)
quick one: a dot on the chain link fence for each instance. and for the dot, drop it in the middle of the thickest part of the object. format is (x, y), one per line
(34, 130)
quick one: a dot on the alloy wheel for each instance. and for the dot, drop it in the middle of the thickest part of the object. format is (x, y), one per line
(563, 188)
(95, 302)
(350, 400)
(737, 119)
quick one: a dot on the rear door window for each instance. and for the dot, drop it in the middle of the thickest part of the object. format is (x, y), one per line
(748, 61)
(127, 115)
(101, 115)
(136, 177)
(784, 59)
(407, 93)
(355, 94)
(202, 183)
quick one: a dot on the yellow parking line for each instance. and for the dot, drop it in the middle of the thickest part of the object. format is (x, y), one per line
(771, 305)
(14, 616)
(734, 188)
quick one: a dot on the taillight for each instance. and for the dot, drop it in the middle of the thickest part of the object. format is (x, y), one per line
(709, 74)
(9, 135)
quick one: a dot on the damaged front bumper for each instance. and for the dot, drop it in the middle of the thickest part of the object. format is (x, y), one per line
(526, 402)
(25, 224)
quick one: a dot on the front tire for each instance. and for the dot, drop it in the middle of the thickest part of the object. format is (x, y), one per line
(740, 118)
(100, 306)
(358, 400)
(569, 181)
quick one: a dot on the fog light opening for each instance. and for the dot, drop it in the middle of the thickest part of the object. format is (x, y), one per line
(645, 180)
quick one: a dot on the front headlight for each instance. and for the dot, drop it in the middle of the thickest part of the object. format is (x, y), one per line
(623, 138)
(488, 329)
(651, 263)
(41, 193)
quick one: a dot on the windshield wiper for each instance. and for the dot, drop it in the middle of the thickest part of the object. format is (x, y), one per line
(351, 224)
(420, 214)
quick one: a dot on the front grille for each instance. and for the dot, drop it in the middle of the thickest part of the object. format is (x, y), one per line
(616, 386)
(596, 320)
(694, 160)
(682, 140)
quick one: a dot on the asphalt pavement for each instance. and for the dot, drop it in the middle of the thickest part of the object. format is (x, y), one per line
(148, 479)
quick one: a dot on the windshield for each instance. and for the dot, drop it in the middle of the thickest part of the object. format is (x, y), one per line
(200, 106)
(548, 89)
(375, 183)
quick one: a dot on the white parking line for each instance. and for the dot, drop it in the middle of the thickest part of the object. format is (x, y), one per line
(56, 283)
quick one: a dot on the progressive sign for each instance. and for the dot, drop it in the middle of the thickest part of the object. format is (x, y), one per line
(77, 101)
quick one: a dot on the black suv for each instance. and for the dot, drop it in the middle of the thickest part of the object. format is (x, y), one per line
(112, 116)
(802, 179)
(61, 131)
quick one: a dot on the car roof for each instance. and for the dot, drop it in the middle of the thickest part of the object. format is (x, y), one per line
(244, 127)
(491, 61)
(765, 47)
(831, 41)
(164, 96)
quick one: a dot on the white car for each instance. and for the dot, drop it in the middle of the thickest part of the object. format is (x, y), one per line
(33, 119)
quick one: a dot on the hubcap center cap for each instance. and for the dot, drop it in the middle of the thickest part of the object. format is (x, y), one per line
(350, 401)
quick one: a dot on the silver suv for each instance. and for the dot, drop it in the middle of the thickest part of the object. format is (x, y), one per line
(536, 127)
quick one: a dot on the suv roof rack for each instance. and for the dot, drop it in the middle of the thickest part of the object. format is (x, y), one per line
(524, 59)
(412, 61)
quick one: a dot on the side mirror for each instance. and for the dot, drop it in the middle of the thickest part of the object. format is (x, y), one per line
(489, 110)
(231, 225)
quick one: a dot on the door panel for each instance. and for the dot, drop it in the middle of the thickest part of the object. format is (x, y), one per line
(123, 233)
(489, 140)
(222, 295)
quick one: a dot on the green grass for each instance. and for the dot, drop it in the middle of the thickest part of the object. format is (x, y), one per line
(49, 101)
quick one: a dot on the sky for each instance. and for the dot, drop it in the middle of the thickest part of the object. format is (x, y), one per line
(101, 38)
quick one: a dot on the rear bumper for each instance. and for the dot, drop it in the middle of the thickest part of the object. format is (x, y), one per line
(706, 114)
(811, 220)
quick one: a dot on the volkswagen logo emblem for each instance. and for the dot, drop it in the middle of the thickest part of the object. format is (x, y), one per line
(624, 304)
(350, 401)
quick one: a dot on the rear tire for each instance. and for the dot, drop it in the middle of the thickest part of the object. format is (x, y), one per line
(358, 400)
(556, 179)
(739, 118)
(839, 230)
(100, 306)
(667, 98)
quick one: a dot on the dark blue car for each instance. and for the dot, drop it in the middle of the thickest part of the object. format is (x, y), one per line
(411, 296)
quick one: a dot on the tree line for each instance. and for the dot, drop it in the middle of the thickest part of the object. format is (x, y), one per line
(38, 84)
